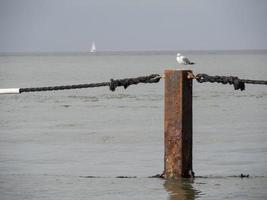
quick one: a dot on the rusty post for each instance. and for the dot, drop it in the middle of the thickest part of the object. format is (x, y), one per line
(178, 125)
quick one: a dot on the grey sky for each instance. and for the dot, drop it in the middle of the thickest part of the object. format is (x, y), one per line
(72, 25)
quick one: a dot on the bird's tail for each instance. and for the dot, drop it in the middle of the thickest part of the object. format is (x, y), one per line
(191, 63)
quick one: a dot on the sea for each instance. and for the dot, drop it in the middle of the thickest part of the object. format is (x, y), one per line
(97, 144)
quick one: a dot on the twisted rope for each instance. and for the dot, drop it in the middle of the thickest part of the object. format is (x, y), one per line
(113, 84)
(239, 84)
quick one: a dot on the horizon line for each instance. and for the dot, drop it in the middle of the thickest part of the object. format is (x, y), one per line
(127, 51)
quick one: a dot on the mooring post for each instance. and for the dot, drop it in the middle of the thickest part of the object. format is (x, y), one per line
(178, 125)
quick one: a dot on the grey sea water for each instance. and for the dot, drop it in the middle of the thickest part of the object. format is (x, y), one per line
(50, 141)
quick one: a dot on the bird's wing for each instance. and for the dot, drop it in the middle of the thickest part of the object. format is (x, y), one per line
(186, 60)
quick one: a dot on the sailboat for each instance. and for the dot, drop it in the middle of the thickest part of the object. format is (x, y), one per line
(93, 49)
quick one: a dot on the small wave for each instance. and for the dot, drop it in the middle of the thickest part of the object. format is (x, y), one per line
(85, 98)
(208, 95)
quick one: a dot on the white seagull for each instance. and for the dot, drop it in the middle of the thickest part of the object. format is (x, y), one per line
(183, 60)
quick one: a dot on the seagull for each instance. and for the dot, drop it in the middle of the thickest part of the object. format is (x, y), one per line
(183, 60)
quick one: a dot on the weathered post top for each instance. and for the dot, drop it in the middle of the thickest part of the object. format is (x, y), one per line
(178, 124)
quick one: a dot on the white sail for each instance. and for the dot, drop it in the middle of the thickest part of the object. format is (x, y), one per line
(93, 49)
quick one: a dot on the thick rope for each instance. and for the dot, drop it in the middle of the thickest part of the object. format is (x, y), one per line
(113, 84)
(239, 84)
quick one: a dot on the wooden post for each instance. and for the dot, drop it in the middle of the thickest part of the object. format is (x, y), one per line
(178, 125)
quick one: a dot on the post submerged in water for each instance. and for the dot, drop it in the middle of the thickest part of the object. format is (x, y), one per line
(178, 125)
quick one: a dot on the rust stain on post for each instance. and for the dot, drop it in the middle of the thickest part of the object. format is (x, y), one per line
(178, 125)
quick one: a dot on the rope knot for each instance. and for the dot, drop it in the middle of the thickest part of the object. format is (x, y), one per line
(232, 80)
(113, 84)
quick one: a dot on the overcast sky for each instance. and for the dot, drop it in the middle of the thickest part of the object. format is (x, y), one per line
(72, 25)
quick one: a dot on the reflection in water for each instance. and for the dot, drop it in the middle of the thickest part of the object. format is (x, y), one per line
(181, 189)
